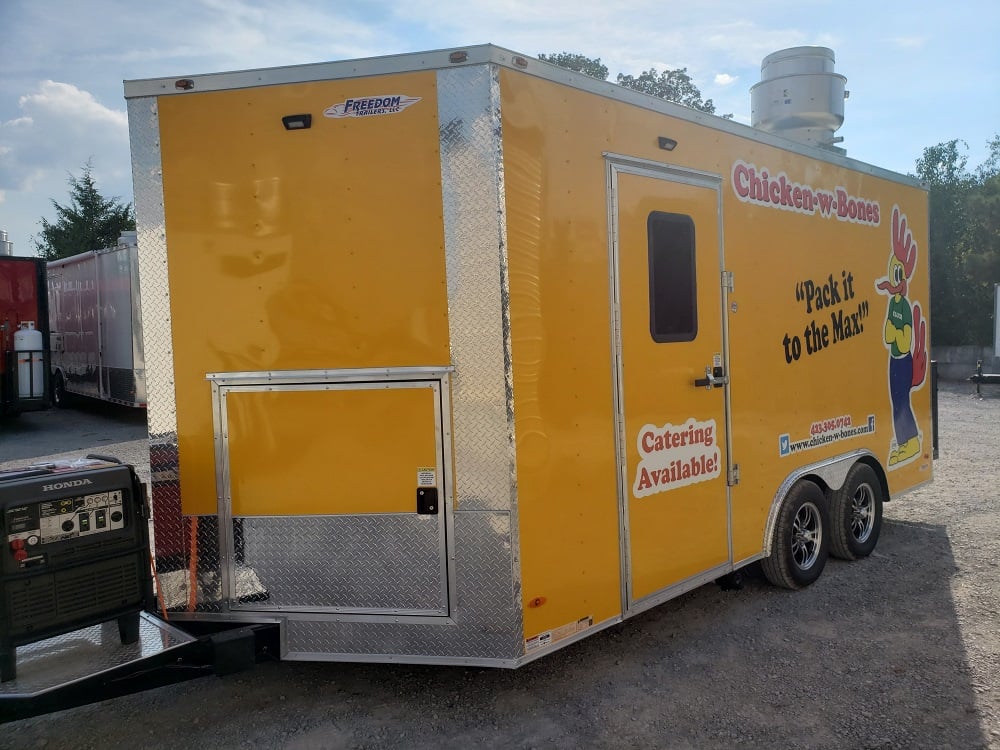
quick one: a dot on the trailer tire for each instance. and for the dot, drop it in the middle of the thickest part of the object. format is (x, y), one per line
(59, 395)
(856, 514)
(800, 546)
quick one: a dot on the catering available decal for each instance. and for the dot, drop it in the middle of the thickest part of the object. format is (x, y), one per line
(674, 456)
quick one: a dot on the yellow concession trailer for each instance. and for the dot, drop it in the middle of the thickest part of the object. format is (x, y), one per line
(459, 357)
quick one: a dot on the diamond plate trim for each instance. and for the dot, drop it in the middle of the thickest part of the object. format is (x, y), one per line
(485, 623)
(476, 261)
(382, 562)
(147, 181)
(178, 540)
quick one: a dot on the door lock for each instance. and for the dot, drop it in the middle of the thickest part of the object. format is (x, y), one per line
(714, 378)
(427, 501)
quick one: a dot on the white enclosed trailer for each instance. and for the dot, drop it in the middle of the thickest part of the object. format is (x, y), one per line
(95, 323)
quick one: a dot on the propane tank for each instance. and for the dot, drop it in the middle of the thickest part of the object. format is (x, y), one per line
(30, 364)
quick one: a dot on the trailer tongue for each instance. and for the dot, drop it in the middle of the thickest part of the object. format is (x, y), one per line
(76, 590)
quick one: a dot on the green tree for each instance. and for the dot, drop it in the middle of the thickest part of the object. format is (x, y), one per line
(964, 242)
(672, 85)
(580, 63)
(89, 222)
(982, 246)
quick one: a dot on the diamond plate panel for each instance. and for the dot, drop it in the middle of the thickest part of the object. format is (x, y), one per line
(382, 562)
(485, 625)
(154, 291)
(180, 544)
(187, 559)
(476, 259)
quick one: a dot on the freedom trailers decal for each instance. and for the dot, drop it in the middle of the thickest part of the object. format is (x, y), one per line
(371, 106)
(674, 456)
(753, 184)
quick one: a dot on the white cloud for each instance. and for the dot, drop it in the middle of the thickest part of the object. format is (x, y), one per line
(724, 79)
(55, 100)
(909, 42)
(59, 128)
(62, 127)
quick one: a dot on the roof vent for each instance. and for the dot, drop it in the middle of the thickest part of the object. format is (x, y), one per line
(800, 97)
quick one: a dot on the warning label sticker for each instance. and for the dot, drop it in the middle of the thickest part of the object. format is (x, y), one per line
(426, 476)
(554, 636)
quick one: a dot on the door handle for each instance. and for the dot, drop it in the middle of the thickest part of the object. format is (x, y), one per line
(713, 379)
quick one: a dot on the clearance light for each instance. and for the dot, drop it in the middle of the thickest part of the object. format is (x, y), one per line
(457, 57)
(297, 122)
(667, 144)
(184, 84)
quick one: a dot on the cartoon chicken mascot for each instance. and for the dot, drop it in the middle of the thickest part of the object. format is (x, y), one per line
(905, 338)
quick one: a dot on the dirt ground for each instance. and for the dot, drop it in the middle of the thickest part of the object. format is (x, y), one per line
(900, 650)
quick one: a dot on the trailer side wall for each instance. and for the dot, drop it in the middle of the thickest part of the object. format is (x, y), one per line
(810, 276)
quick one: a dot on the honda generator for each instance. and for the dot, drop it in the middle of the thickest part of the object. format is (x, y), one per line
(75, 552)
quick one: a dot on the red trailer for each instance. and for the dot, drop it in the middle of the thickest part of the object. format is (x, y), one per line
(24, 335)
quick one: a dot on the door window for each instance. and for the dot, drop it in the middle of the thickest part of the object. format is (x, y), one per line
(673, 296)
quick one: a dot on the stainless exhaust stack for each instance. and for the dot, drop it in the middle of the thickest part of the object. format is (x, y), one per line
(800, 97)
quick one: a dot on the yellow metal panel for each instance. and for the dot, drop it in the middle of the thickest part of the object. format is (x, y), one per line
(561, 358)
(306, 249)
(330, 451)
(809, 366)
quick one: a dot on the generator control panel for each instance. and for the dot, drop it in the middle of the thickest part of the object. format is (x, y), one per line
(31, 527)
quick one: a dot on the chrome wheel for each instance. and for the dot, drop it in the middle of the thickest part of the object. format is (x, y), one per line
(856, 513)
(807, 536)
(801, 542)
(58, 391)
(863, 513)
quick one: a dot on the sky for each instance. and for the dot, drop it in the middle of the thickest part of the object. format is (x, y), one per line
(919, 73)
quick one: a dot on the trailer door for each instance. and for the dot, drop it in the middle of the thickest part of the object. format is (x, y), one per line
(333, 491)
(671, 367)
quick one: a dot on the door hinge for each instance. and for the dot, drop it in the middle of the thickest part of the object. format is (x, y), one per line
(734, 475)
(727, 281)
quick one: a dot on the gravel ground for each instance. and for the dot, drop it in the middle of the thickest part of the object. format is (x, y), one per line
(900, 650)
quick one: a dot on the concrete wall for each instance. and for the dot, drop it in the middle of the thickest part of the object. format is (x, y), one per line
(959, 362)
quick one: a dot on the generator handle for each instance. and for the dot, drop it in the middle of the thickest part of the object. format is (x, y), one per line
(101, 457)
